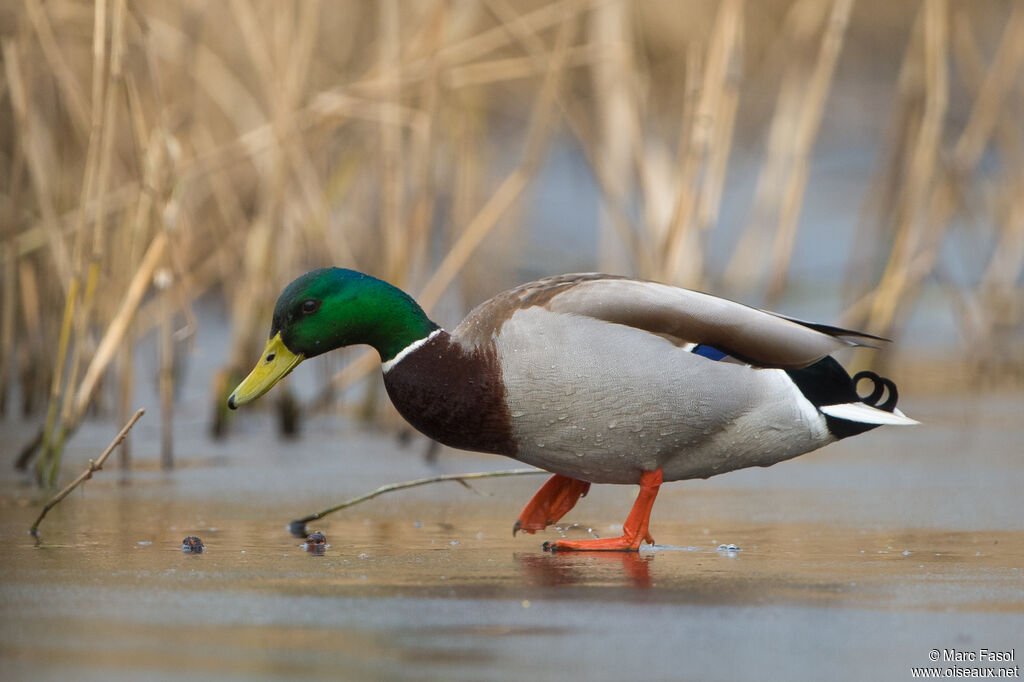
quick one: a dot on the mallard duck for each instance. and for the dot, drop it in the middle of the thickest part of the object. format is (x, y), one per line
(595, 378)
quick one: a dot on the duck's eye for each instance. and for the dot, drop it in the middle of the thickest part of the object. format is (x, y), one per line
(311, 306)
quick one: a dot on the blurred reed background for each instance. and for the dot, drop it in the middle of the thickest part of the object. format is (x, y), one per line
(157, 154)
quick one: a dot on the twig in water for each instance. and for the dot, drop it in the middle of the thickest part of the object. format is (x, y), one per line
(298, 526)
(87, 474)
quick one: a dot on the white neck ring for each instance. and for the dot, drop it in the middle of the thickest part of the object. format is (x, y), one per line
(386, 366)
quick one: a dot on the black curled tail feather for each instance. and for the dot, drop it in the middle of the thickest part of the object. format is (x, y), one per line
(827, 383)
(881, 385)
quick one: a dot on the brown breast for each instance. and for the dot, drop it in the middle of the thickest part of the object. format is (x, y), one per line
(454, 395)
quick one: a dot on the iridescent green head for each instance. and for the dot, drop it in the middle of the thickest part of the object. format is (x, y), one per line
(327, 309)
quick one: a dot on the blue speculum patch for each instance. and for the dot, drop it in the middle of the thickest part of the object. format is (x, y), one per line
(709, 352)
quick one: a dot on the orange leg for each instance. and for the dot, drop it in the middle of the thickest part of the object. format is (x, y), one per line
(550, 503)
(634, 530)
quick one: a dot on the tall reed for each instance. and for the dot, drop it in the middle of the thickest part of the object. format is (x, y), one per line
(153, 153)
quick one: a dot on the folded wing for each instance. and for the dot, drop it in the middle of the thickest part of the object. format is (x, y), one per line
(755, 336)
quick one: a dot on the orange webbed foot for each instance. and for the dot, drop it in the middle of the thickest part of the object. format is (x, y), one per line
(550, 503)
(634, 530)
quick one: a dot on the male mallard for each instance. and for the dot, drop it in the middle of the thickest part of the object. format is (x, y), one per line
(596, 378)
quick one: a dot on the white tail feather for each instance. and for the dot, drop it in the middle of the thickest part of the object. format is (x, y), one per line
(864, 413)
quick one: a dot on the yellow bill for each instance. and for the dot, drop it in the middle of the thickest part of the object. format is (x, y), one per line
(275, 364)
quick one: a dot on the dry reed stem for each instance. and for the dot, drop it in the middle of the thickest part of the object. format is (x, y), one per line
(198, 280)
(66, 80)
(259, 131)
(781, 183)
(394, 487)
(109, 124)
(8, 304)
(682, 258)
(423, 147)
(487, 217)
(520, 31)
(887, 186)
(126, 374)
(710, 198)
(969, 60)
(390, 151)
(807, 126)
(992, 298)
(166, 372)
(511, 188)
(641, 255)
(477, 74)
(921, 169)
(283, 89)
(944, 196)
(35, 237)
(97, 170)
(8, 288)
(997, 85)
(618, 127)
(255, 44)
(476, 231)
(93, 467)
(478, 45)
(153, 155)
(218, 81)
(30, 139)
(46, 471)
(118, 326)
(1007, 262)
(989, 118)
(258, 255)
(747, 262)
(30, 303)
(283, 78)
(92, 154)
(617, 121)
(33, 375)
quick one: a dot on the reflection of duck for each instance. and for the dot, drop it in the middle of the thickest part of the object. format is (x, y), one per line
(598, 379)
(585, 568)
